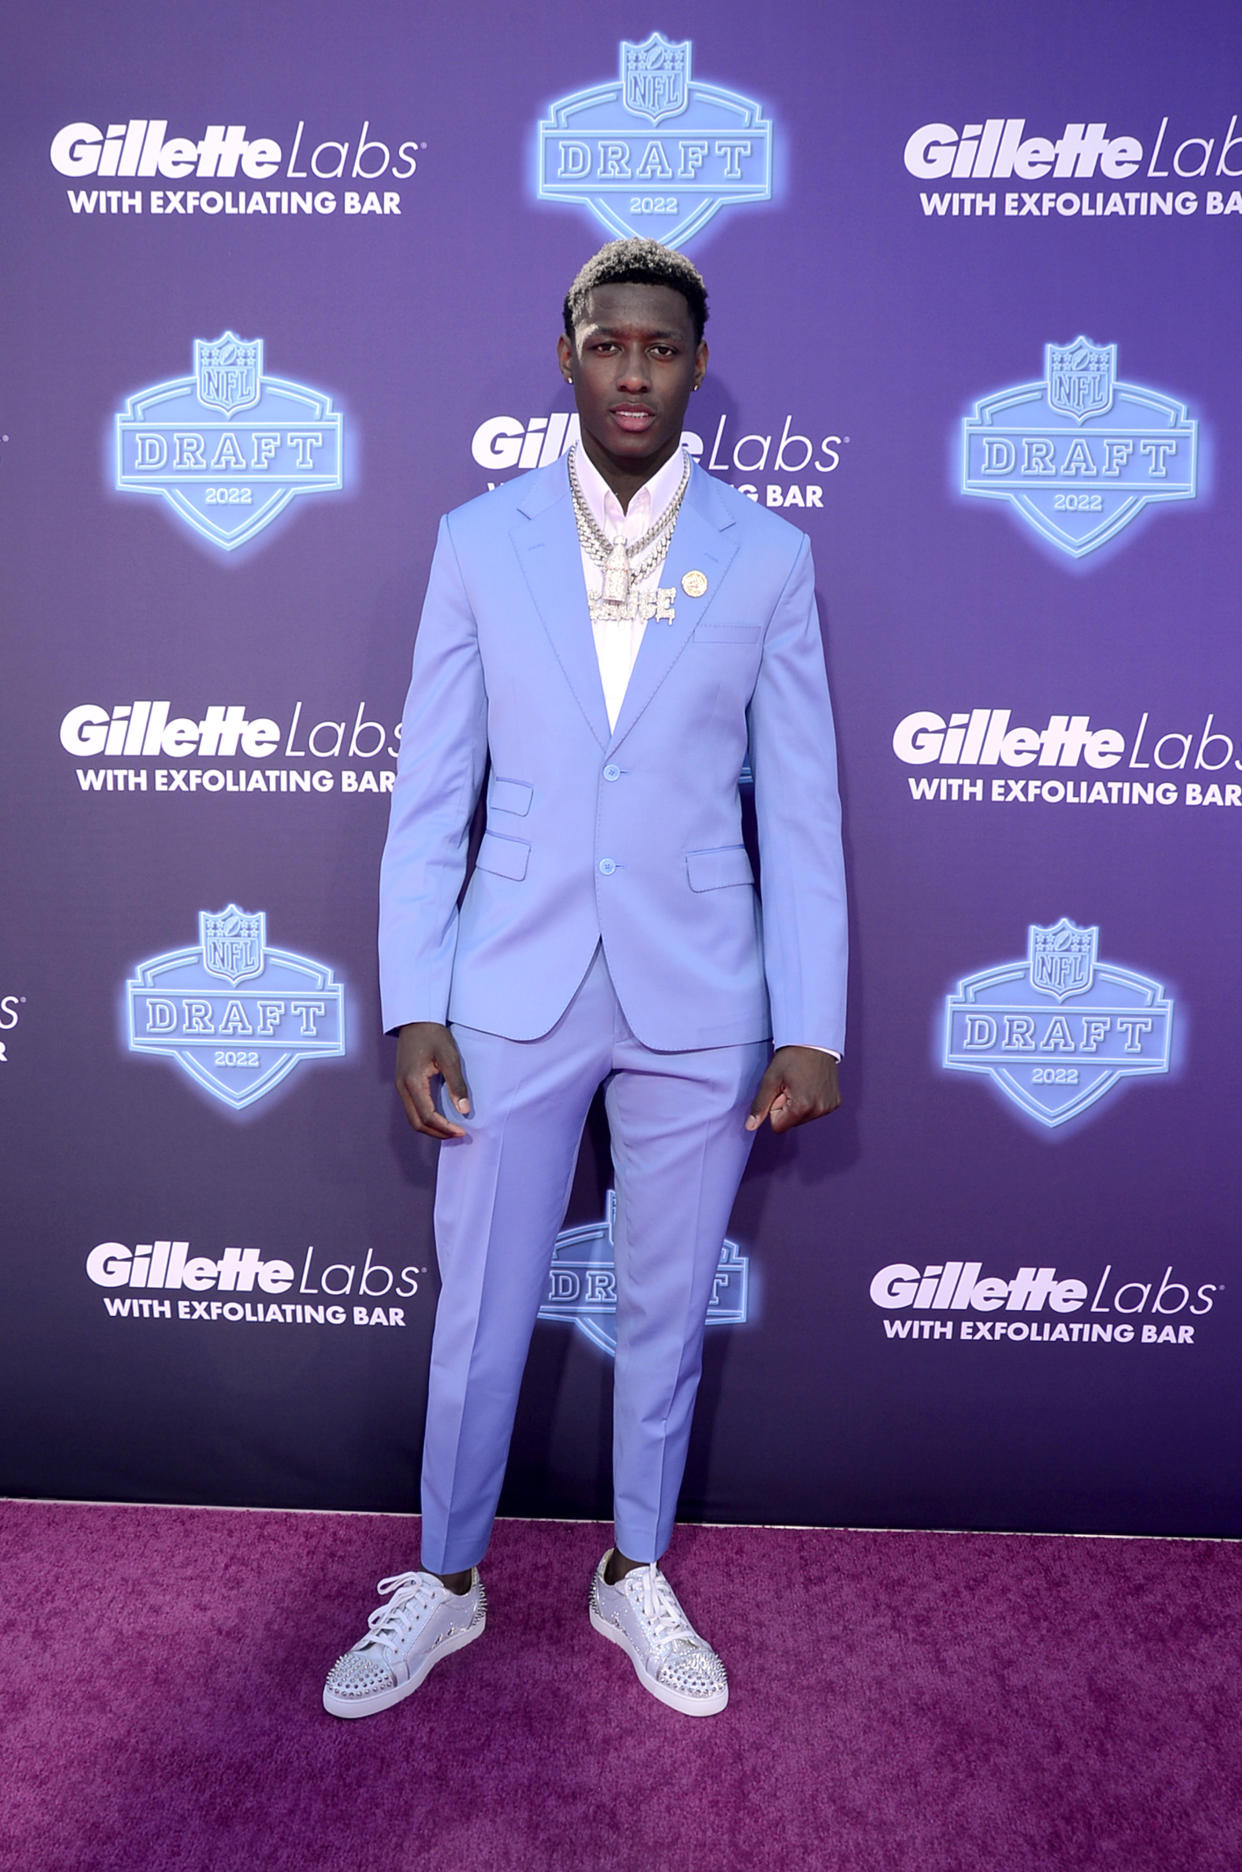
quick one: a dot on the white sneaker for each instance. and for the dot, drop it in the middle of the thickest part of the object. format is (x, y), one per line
(422, 1622)
(641, 1613)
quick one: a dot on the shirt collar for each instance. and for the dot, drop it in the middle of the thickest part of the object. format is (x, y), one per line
(649, 502)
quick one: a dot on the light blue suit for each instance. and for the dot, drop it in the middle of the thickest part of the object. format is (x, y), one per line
(612, 929)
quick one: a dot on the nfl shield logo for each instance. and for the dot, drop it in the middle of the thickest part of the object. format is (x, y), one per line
(228, 373)
(233, 943)
(1080, 378)
(1062, 958)
(655, 77)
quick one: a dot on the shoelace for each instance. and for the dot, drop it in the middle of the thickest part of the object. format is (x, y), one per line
(412, 1600)
(661, 1613)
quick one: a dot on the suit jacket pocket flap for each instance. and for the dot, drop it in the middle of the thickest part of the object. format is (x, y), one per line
(505, 856)
(728, 864)
(727, 633)
(509, 795)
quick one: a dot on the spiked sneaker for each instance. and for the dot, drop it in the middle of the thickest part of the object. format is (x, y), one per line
(422, 1622)
(641, 1613)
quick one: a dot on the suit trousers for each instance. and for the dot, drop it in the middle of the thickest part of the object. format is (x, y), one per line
(679, 1147)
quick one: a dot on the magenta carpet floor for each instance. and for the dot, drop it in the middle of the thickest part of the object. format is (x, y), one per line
(902, 1703)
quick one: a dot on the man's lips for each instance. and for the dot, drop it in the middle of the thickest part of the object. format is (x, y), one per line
(632, 417)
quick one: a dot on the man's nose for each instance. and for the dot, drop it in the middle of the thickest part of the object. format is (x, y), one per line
(634, 374)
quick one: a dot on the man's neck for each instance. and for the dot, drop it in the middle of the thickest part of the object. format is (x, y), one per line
(625, 478)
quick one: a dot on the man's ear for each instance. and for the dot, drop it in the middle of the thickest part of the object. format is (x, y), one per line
(565, 357)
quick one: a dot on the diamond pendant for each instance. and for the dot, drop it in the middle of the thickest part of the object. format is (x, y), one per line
(616, 587)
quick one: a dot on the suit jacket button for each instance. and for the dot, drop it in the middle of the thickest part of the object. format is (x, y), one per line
(611, 772)
(607, 866)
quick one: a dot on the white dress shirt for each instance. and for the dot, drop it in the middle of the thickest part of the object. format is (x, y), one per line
(617, 640)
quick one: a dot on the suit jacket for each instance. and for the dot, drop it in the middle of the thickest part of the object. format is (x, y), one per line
(631, 836)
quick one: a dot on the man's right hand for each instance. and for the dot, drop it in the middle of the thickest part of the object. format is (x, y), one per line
(427, 1051)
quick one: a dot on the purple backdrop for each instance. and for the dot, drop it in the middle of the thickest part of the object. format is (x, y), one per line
(975, 282)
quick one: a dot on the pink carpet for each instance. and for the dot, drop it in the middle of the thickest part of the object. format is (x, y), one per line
(903, 1703)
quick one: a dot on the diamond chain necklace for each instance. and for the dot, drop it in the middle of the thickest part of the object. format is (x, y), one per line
(620, 571)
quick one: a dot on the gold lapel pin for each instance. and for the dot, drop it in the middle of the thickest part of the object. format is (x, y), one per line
(694, 584)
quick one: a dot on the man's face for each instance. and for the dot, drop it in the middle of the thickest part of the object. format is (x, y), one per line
(633, 365)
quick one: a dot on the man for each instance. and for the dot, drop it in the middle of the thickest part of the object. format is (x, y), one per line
(611, 634)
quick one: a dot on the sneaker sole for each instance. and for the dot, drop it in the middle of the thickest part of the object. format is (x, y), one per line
(673, 1699)
(351, 1707)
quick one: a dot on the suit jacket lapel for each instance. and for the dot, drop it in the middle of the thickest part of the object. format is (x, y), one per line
(703, 541)
(546, 542)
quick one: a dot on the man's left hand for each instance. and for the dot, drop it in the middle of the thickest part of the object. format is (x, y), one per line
(800, 1084)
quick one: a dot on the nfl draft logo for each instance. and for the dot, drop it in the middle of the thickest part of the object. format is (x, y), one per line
(1059, 1030)
(1080, 454)
(228, 448)
(656, 153)
(582, 1282)
(237, 1042)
